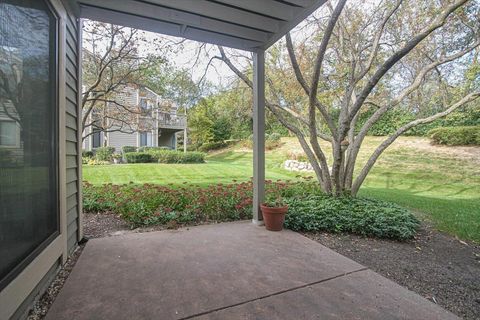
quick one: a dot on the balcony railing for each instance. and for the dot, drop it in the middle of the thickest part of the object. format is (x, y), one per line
(168, 120)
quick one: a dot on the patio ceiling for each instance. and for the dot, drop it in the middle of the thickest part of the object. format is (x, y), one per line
(250, 25)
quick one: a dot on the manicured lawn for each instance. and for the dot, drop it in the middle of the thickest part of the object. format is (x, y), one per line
(442, 184)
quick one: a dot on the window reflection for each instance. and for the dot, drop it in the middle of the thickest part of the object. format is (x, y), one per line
(28, 133)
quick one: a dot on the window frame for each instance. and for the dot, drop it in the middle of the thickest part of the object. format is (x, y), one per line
(55, 131)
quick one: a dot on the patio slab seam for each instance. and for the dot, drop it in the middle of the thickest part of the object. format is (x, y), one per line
(272, 294)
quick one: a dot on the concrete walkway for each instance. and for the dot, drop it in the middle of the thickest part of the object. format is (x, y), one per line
(228, 271)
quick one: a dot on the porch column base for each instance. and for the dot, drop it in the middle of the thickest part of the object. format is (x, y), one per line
(258, 223)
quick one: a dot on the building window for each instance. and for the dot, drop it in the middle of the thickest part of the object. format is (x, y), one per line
(96, 138)
(8, 133)
(146, 139)
(146, 107)
(29, 210)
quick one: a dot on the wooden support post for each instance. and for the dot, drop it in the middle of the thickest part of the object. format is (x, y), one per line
(258, 134)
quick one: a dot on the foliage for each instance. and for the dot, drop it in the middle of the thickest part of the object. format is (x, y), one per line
(272, 141)
(367, 217)
(104, 153)
(208, 146)
(127, 149)
(297, 156)
(94, 162)
(172, 156)
(367, 60)
(87, 154)
(388, 124)
(309, 210)
(115, 57)
(147, 149)
(455, 136)
(138, 157)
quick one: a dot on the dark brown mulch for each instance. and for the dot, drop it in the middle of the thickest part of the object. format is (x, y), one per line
(434, 265)
(98, 225)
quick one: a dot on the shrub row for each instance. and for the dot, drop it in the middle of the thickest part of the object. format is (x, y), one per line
(309, 209)
(165, 156)
(455, 136)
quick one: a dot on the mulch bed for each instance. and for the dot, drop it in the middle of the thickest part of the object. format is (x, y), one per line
(434, 265)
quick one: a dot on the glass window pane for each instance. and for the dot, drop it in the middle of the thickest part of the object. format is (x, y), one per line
(8, 133)
(28, 149)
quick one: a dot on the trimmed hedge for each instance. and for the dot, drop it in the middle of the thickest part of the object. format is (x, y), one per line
(165, 156)
(104, 153)
(127, 149)
(146, 149)
(172, 156)
(455, 136)
(138, 157)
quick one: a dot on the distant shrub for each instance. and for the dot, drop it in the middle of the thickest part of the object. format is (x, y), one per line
(367, 217)
(297, 156)
(138, 157)
(208, 146)
(104, 153)
(172, 156)
(87, 154)
(127, 149)
(94, 162)
(146, 149)
(272, 141)
(455, 136)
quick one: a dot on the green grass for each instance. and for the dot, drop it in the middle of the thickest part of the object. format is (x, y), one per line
(441, 184)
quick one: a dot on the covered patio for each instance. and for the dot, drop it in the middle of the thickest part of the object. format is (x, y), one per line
(222, 271)
(228, 271)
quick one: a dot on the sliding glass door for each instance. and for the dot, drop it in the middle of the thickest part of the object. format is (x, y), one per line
(29, 210)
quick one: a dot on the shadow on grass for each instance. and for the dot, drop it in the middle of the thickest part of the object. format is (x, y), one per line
(456, 216)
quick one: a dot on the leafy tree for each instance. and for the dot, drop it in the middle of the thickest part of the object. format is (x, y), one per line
(112, 61)
(347, 59)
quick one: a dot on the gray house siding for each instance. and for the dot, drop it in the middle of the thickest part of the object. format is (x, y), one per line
(118, 139)
(71, 132)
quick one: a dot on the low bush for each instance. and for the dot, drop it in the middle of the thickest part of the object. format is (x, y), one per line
(272, 141)
(87, 154)
(104, 153)
(309, 209)
(138, 157)
(147, 149)
(454, 136)
(172, 156)
(94, 162)
(208, 146)
(127, 149)
(297, 156)
(367, 217)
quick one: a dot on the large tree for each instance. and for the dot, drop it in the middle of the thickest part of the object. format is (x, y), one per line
(115, 57)
(349, 58)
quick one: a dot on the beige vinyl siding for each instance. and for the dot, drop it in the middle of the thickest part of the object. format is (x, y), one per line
(71, 131)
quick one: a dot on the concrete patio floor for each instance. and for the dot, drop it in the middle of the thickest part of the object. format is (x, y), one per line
(228, 271)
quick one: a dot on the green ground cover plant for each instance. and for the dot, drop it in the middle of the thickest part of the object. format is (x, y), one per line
(309, 210)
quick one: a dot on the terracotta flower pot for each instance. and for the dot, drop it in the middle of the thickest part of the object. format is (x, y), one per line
(273, 217)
